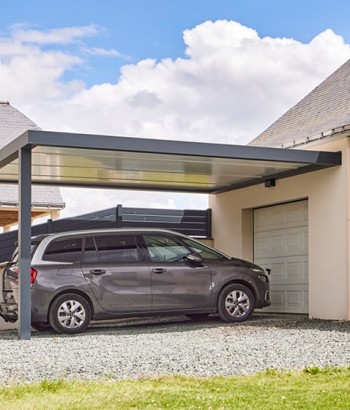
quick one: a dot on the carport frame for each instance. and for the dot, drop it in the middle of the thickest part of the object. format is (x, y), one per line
(21, 149)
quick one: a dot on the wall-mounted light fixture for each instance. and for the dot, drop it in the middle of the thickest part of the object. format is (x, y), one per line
(269, 183)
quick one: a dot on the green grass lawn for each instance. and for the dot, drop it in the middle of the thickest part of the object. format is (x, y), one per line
(312, 388)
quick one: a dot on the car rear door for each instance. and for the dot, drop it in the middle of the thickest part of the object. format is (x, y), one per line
(177, 284)
(117, 274)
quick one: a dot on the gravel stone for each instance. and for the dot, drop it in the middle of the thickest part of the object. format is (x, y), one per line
(155, 347)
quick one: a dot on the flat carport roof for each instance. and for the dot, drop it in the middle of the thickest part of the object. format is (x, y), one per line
(82, 160)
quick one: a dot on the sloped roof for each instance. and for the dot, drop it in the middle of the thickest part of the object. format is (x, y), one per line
(325, 108)
(12, 124)
(46, 197)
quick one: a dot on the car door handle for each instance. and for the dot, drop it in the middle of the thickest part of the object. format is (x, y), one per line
(158, 270)
(97, 271)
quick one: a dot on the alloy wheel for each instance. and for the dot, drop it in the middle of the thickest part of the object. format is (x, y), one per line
(71, 314)
(237, 303)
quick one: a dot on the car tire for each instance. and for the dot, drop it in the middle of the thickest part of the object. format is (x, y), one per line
(70, 313)
(236, 303)
(41, 326)
(198, 316)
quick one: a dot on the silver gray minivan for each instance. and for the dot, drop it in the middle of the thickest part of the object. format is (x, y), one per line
(81, 276)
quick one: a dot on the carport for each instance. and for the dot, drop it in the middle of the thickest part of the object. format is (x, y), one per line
(83, 160)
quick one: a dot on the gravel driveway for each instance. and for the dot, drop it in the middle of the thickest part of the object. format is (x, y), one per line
(153, 347)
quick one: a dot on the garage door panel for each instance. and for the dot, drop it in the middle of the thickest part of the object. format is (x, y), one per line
(291, 241)
(285, 270)
(287, 215)
(297, 240)
(281, 245)
(292, 300)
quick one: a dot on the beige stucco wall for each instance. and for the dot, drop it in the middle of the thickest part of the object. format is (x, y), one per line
(329, 218)
(206, 241)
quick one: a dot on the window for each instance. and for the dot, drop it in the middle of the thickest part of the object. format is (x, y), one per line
(90, 252)
(117, 248)
(164, 249)
(64, 250)
(14, 257)
(203, 251)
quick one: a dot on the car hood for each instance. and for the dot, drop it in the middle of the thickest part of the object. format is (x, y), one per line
(243, 263)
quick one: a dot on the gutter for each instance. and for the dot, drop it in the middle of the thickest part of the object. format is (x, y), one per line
(320, 136)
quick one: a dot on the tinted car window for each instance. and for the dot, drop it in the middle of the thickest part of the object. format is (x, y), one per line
(64, 250)
(90, 252)
(117, 248)
(164, 248)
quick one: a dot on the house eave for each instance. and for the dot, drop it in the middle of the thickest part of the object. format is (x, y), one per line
(343, 130)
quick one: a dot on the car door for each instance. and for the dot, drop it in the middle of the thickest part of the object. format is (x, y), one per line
(177, 284)
(117, 274)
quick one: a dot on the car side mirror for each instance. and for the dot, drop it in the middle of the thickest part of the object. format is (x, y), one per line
(195, 259)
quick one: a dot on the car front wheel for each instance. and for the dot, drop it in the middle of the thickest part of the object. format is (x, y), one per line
(236, 303)
(70, 313)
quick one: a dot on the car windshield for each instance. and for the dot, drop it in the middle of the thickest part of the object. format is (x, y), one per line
(204, 251)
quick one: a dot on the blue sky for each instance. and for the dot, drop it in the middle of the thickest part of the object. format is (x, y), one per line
(140, 29)
(218, 71)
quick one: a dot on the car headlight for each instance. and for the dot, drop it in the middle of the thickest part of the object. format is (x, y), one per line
(263, 278)
(261, 274)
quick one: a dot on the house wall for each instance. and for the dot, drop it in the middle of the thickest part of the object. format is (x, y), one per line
(329, 218)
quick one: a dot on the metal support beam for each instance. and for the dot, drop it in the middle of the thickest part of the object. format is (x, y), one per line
(24, 242)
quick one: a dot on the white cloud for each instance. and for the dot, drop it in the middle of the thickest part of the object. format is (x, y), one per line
(65, 35)
(230, 85)
(28, 79)
(32, 72)
(96, 51)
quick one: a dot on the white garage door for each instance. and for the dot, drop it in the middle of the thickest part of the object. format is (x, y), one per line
(281, 244)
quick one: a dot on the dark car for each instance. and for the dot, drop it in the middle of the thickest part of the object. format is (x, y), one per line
(81, 276)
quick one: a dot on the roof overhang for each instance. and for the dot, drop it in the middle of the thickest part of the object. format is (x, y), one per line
(10, 216)
(84, 160)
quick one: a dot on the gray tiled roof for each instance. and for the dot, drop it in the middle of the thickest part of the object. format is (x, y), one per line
(42, 196)
(12, 124)
(324, 108)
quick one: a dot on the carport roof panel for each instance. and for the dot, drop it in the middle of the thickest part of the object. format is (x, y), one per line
(67, 159)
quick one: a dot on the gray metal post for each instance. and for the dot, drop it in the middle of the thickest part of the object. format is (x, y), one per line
(24, 242)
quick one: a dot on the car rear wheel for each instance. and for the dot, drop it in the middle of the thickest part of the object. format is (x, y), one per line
(236, 303)
(41, 326)
(198, 316)
(70, 313)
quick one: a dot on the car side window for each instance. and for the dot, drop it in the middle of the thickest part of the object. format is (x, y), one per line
(90, 251)
(117, 248)
(164, 248)
(14, 257)
(64, 250)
